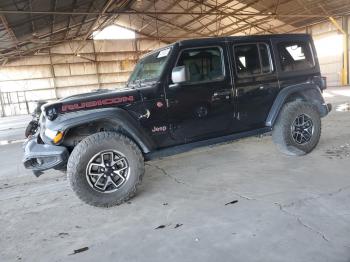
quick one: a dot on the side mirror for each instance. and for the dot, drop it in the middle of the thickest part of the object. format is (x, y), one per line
(179, 75)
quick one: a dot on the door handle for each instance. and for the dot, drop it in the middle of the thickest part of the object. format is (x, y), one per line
(171, 102)
(227, 94)
(223, 93)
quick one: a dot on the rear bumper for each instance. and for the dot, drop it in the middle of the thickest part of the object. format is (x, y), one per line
(326, 108)
(40, 157)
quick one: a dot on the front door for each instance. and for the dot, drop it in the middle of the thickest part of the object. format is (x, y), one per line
(201, 107)
(256, 84)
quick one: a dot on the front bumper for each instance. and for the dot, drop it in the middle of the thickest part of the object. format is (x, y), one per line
(40, 157)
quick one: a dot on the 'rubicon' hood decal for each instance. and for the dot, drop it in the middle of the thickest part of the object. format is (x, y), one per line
(94, 100)
(96, 103)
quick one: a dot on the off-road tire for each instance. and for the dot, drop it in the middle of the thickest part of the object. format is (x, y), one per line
(31, 128)
(282, 130)
(86, 149)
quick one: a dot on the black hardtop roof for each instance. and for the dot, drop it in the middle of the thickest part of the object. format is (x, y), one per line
(214, 40)
(253, 38)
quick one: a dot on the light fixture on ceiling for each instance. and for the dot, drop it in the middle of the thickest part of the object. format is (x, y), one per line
(113, 32)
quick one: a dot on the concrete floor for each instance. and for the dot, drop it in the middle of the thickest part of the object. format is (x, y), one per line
(288, 209)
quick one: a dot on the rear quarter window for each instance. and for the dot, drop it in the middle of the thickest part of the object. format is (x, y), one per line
(296, 56)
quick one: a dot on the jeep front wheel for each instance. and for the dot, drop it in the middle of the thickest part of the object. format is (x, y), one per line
(105, 169)
(298, 128)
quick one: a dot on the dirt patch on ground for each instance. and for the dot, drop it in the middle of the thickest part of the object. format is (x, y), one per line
(340, 152)
(343, 107)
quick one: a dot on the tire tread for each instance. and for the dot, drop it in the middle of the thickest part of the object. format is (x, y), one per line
(78, 152)
(280, 129)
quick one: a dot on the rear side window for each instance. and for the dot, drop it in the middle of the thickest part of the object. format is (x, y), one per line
(295, 56)
(202, 64)
(252, 59)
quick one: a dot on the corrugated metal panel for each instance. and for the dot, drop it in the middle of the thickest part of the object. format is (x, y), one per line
(114, 78)
(36, 95)
(75, 69)
(117, 56)
(24, 72)
(72, 47)
(104, 46)
(68, 91)
(29, 61)
(73, 81)
(26, 85)
(70, 59)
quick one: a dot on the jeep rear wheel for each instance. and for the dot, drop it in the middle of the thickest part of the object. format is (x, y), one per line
(105, 169)
(298, 128)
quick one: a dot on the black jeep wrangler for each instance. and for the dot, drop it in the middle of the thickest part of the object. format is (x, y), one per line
(188, 94)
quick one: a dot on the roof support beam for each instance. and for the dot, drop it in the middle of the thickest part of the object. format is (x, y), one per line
(53, 33)
(212, 9)
(50, 45)
(170, 24)
(31, 16)
(248, 26)
(104, 10)
(255, 23)
(54, 4)
(74, 6)
(244, 20)
(84, 19)
(188, 11)
(237, 18)
(93, 25)
(169, 7)
(290, 21)
(126, 12)
(9, 31)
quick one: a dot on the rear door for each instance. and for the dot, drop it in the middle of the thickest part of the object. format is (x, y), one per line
(256, 83)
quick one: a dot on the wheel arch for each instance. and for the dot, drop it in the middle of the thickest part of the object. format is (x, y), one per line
(306, 92)
(86, 123)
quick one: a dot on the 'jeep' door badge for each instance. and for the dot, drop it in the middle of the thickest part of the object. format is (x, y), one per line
(158, 129)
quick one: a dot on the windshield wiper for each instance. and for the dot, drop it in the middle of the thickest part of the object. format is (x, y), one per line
(142, 82)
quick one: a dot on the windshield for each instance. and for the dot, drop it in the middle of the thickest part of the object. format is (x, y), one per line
(150, 67)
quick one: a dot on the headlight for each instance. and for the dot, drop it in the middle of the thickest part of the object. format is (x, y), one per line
(55, 136)
(51, 114)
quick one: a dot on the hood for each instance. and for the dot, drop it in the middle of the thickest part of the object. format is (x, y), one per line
(93, 100)
(84, 95)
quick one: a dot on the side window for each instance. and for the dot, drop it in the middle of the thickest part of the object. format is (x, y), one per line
(202, 64)
(295, 56)
(252, 59)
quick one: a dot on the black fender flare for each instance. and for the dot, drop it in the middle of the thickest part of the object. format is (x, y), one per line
(114, 116)
(308, 91)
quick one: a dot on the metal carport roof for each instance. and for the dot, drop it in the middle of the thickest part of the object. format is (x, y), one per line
(27, 26)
